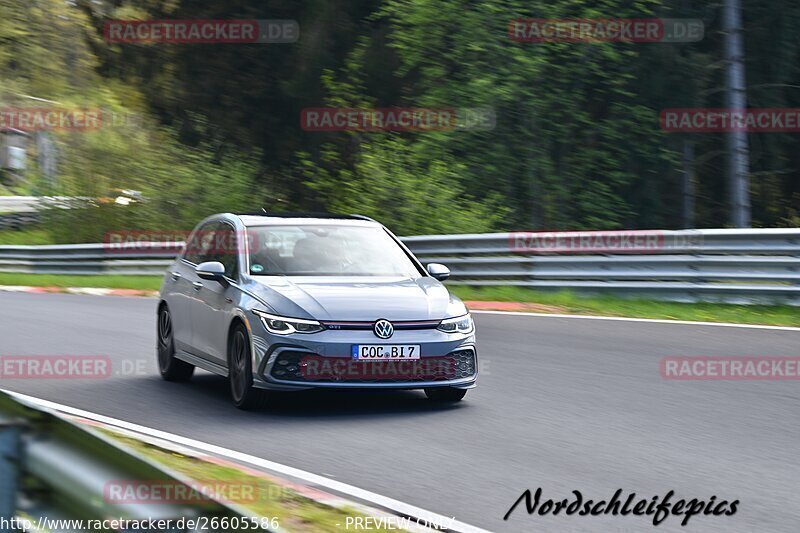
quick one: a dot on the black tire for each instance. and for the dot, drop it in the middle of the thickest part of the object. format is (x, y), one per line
(240, 372)
(445, 394)
(171, 369)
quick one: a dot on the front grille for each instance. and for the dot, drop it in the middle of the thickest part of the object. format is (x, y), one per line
(310, 368)
(363, 326)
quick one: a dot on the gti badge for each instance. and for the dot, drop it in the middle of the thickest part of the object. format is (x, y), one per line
(383, 329)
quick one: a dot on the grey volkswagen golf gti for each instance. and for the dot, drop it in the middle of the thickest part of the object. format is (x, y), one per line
(292, 302)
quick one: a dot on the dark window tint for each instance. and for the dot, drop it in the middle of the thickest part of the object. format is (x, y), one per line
(227, 249)
(215, 241)
(196, 247)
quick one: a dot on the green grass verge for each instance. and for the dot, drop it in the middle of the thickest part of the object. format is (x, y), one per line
(294, 511)
(142, 283)
(571, 303)
(25, 236)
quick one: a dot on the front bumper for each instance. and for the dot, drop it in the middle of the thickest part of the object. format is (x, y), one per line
(323, 360)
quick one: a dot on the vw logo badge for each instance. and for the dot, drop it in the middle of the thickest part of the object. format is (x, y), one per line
(383, 329)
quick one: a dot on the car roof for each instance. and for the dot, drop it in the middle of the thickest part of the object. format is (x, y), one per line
(305, 219)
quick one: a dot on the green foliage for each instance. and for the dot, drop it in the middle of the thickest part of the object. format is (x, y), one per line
(26, 236)
(560, 154)
(48, 52)
(576, 144)
(180, 186)
(394, 183)
(43, 50)
(102, 281)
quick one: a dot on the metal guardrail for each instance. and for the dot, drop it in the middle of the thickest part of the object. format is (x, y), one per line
(52, 468)
(19, 204)
(773, 241)
(18, 220)
(727, 265)
(88, 259)
(740, 266)
(32, 204)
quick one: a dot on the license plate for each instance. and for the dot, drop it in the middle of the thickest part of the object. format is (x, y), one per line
(384, 352)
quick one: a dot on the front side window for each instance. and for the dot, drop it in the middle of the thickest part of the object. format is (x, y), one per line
(326, 250)
(227, 249)
(198, 245)
(215, 241)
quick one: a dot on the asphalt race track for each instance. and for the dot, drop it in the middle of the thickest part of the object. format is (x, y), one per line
(563, 404)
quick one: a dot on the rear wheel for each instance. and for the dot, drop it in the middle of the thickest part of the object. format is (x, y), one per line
(445, 394)
(171, 369)
(240, 372)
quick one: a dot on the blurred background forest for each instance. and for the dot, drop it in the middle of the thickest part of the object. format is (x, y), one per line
(576, 145)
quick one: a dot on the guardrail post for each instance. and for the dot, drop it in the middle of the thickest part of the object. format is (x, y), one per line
(9, 470)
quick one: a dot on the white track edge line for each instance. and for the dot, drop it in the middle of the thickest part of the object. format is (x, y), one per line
(648, 320)
(343, 488)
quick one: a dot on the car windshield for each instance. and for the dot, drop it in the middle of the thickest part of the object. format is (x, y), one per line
(326, 250)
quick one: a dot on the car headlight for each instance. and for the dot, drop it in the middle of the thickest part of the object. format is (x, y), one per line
(280, 325)
(459, 324)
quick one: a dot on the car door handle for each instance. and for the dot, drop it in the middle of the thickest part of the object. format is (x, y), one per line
(197, 285)
(176, 276)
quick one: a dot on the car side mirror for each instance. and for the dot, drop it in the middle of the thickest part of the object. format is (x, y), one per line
(438, 271)
(211, 270)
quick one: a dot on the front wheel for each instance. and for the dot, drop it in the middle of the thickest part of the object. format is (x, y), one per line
(240, 372)
(171, 369)
(445, 394)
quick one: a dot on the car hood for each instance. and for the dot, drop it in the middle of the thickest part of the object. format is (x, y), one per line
(357, 298)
